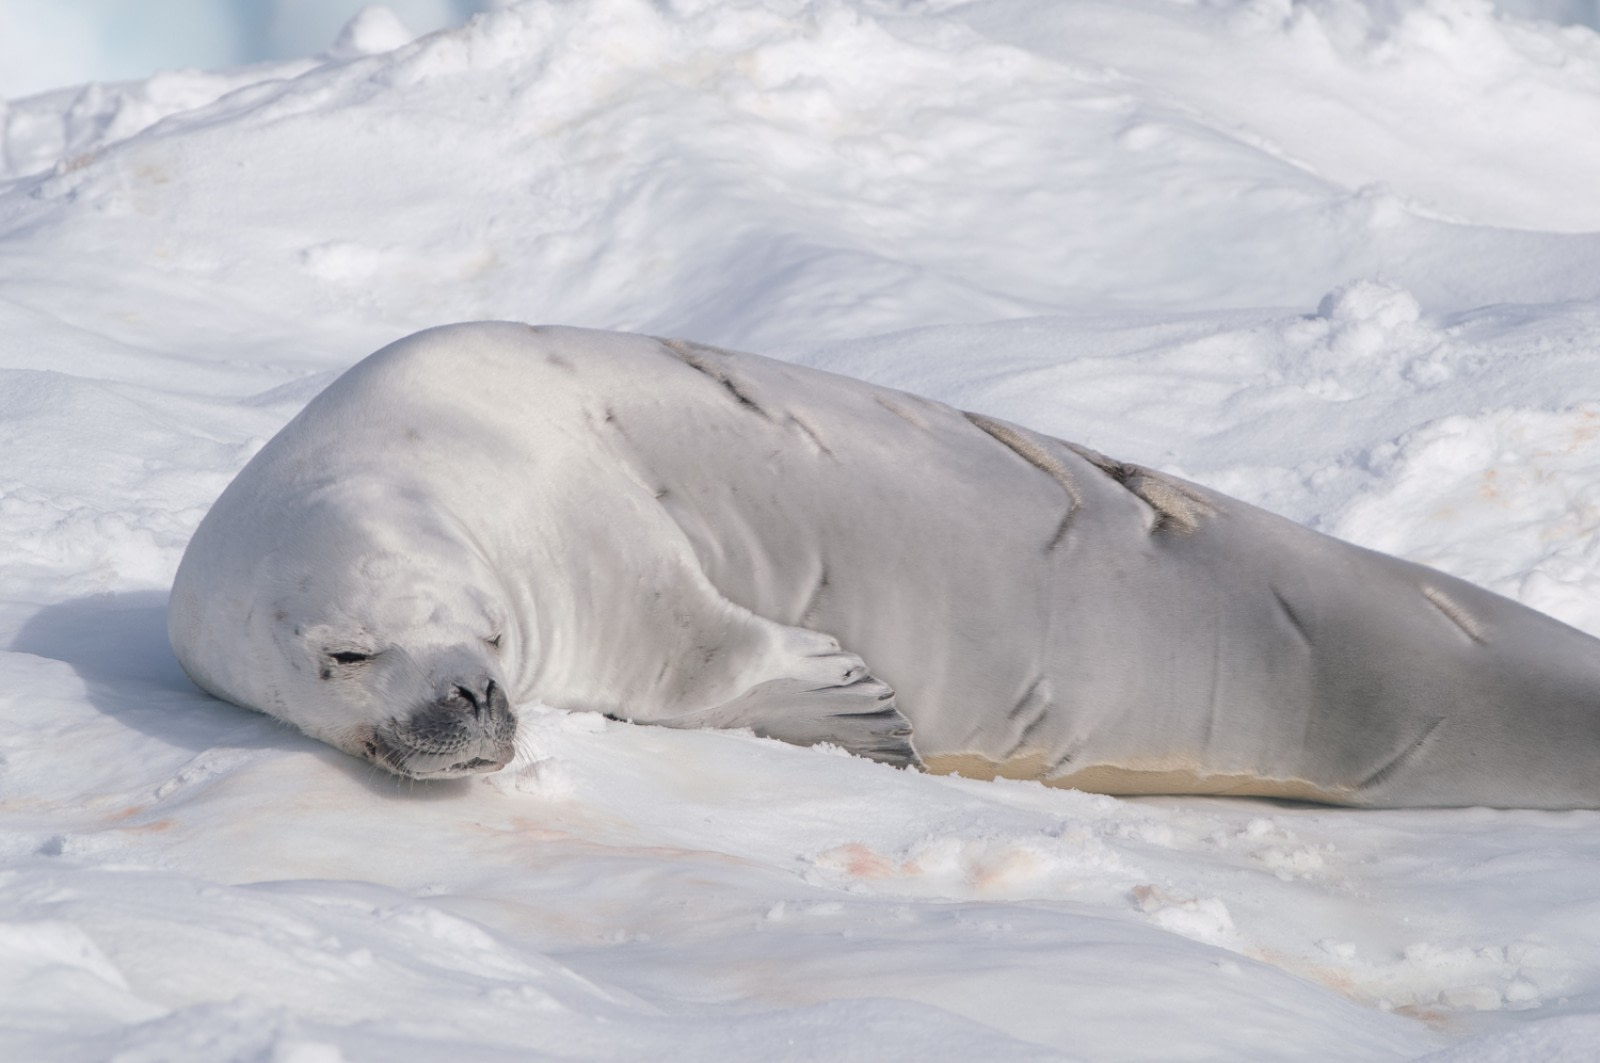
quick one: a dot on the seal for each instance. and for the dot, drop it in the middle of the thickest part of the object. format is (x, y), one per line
(490, 514)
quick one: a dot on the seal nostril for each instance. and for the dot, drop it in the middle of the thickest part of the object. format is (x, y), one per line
(471, 697)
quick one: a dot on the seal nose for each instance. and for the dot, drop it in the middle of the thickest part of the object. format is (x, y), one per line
(477, 699)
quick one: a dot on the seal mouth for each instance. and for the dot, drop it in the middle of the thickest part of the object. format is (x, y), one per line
(416, 763)
(468, 730)
(479, 764)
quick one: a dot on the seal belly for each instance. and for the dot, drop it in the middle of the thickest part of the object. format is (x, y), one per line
(1131, 782)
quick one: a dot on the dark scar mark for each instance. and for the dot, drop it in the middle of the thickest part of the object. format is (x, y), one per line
(1021, 743)
(1400, 759)
(808, 613)
(1178, 507)
(703, 359)
(1040, 459)
(699, 358)
(1039, 701)
(1028, 697)
(811, 434)
(1294, 619)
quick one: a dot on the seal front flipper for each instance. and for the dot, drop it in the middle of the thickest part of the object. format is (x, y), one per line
(824, 695)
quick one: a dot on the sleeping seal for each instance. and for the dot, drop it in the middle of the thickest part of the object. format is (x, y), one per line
(488, 514)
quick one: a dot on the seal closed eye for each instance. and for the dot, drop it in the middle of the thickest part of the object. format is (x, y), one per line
(350, 657)
(684, 536)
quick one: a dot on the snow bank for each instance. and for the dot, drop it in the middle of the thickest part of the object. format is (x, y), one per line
(47, 44)
(1338, 259)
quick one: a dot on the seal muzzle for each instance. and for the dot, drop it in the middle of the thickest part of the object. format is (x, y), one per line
(469, 728)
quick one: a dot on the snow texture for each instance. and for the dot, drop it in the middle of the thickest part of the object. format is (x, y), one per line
(1339, 259)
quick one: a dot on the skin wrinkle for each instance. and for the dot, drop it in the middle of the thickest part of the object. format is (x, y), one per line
(811, 434)
(1028, 731)
(695, 356)
(1060, 762)
(1402, 758)
(808, 613)
(1040, 459)
(1213, 699)
(1041, 706)
(1027, 697)
(1294, 618)
(700, 358)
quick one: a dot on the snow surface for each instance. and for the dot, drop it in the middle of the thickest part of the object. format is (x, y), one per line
(1338, 259)
(45, 44)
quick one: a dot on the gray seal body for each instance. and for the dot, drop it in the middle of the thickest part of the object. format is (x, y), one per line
(679, 535)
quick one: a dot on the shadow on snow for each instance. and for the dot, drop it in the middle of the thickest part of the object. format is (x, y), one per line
(117, 644)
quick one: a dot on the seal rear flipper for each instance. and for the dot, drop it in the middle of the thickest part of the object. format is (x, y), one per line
(835, 699)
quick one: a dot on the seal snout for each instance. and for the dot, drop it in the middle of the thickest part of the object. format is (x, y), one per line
(468, 728)
(479, 700)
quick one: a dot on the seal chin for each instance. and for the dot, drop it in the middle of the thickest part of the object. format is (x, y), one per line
(421, 766)
(468, 729)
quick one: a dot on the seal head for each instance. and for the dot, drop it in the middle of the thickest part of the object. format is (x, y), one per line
(366, 622)
(465, 726)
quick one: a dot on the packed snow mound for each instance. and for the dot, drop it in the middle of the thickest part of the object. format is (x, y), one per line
(1339, 259)
(821, 161)
(47, 44)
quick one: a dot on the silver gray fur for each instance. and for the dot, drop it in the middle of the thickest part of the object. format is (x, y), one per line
(660, 530)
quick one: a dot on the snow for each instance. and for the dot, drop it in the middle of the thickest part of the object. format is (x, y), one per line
(45, 44)
(1338, 259)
